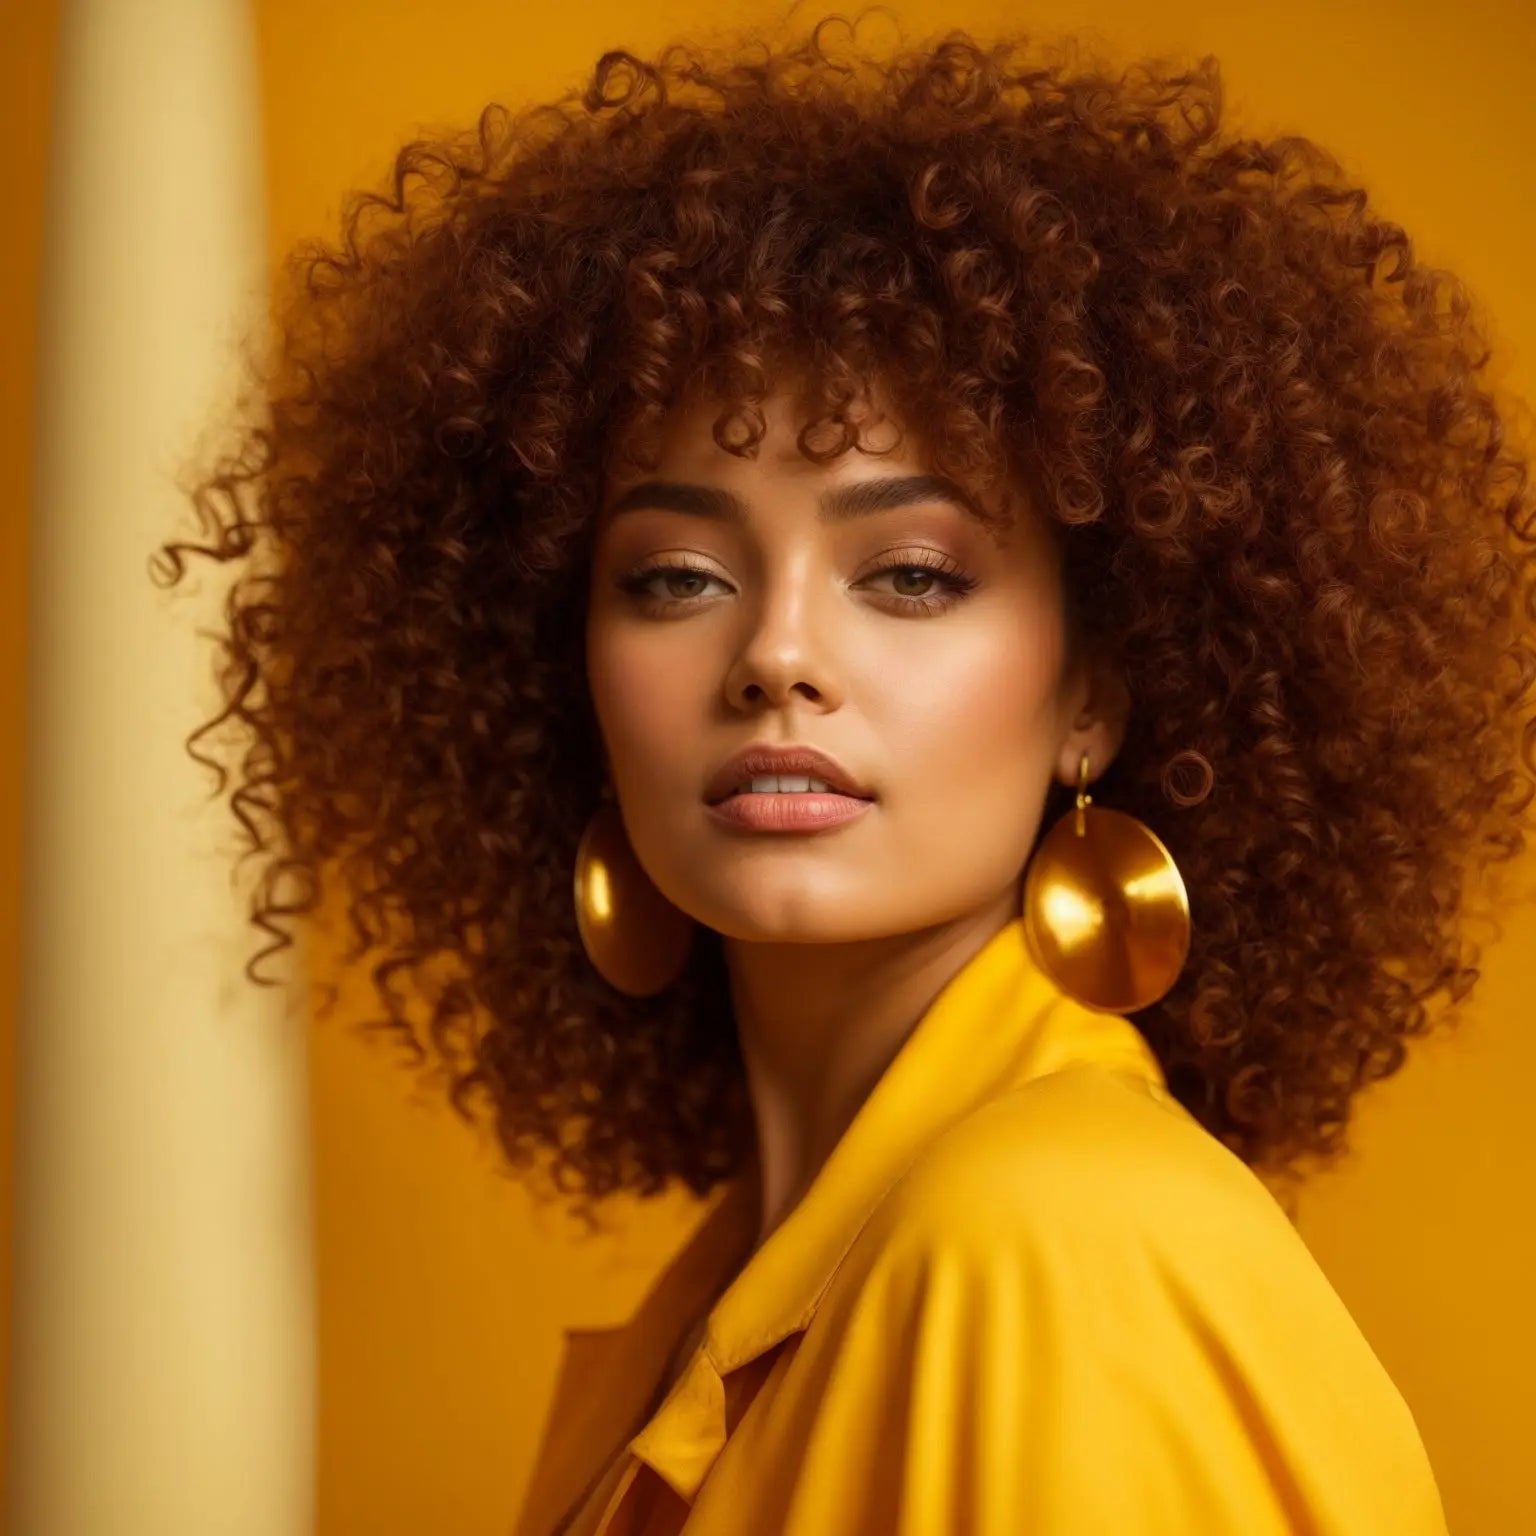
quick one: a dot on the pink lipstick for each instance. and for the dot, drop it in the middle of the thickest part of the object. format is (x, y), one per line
(805, 811)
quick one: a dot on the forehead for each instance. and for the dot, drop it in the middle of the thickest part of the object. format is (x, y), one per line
(699, 473)
(686, 438)
(894, 468)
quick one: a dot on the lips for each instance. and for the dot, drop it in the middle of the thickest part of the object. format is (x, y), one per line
(760, 760)
(811, 813)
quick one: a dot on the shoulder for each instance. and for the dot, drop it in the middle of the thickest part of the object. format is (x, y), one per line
(1090, 1213)
(1116, 1299)
(1090, 1166)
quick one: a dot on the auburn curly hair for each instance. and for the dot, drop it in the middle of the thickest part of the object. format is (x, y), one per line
(1259, 427)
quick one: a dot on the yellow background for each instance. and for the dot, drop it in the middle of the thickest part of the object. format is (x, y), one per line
(442, 1289)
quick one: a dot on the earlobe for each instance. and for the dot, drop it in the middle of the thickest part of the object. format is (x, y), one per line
(1103, 707)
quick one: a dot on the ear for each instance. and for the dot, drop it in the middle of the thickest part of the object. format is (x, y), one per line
(1096, 710)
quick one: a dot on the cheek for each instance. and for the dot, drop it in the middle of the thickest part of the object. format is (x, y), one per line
(646, 698)
(977, 713)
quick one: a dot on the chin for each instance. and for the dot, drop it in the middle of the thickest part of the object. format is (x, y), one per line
(787, 916)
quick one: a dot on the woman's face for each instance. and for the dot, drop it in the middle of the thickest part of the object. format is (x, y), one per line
(917, 647)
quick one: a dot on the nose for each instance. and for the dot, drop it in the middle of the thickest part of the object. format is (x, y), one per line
(787, 646)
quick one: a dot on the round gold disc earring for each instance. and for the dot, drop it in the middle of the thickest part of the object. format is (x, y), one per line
(1105, 910)
(636, 939)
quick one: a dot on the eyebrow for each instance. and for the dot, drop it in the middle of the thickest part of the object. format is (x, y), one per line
(837, 504)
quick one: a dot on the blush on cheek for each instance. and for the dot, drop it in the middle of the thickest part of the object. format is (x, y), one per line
(652, 719)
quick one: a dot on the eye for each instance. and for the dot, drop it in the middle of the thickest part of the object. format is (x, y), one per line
(684, 584)
(926, 566)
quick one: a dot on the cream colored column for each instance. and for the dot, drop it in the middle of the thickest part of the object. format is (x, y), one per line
(163, 1316)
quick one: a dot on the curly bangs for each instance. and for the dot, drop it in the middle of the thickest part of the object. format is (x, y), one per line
(1260, 429)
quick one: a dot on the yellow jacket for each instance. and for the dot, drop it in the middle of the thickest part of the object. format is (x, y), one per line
(1026, 1295)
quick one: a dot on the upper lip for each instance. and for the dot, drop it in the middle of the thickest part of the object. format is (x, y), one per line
(762, 758)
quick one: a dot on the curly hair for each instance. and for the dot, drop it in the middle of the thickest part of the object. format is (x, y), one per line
(1258, 426)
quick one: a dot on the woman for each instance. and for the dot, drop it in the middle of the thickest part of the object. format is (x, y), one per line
(988, 428)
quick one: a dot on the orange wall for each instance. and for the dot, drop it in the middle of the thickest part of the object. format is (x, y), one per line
(26, 61)
(442, 1288)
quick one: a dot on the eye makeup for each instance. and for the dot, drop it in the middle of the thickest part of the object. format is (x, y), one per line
(926, 564)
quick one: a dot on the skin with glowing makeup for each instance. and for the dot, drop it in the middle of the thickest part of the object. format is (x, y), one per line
(927, 653)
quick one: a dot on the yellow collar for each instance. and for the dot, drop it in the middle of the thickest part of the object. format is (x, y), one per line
(998, 1023)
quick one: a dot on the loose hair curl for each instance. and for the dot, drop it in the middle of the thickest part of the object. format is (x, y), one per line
(1256, 423)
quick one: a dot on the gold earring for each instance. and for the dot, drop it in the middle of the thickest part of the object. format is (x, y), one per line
(635, 938)
(1105, 909)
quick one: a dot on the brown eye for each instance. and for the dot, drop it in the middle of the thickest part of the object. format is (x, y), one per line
(909, 574)
(913, 582)
(657, 586)
(681, 574)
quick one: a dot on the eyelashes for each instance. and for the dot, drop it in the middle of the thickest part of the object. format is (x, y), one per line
(955, 584)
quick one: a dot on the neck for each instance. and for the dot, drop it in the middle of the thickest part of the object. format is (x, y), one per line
(820, 1023)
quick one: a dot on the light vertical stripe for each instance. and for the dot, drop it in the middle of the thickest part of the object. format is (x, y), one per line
(163, 1312)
